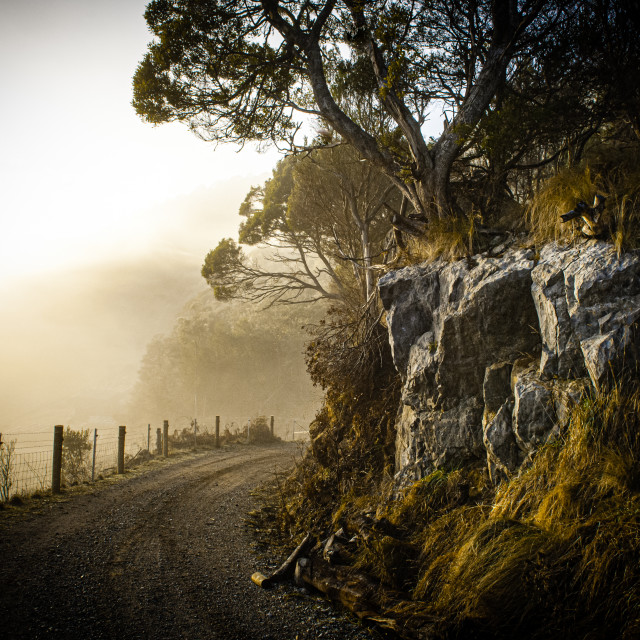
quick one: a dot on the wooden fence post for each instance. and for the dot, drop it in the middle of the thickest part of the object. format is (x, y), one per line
(195, 431)
(56, 465)
(159, 441)
(165, 439)
(272, 426)
(93, 464)
(121, 434)
(149, 438)
(217, 432)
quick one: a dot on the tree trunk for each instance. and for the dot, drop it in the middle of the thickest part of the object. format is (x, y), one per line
(366, 260)
(429, 190)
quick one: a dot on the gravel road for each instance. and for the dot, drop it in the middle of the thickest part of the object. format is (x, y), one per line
(163, 554)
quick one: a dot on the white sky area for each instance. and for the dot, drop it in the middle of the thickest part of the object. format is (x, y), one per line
(81, 173)
(99, 211)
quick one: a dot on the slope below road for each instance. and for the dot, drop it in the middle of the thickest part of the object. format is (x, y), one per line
(163, 554)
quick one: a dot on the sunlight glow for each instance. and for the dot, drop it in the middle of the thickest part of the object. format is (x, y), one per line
(80, 174)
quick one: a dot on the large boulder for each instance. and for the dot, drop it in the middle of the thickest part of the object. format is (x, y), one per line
(494, 351)
(588, 302)
(447, 323)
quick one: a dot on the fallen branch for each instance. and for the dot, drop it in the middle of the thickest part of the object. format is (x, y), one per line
(353, 590)
(287, 568)
(319, 567)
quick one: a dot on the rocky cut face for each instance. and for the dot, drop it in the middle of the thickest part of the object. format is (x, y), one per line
(494, 352)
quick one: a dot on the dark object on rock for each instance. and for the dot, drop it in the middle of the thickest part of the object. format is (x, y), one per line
(576, 212)
(591, 216)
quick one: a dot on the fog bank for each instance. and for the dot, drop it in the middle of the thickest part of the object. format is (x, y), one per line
(71, 339)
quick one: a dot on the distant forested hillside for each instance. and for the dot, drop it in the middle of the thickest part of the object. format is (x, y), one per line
(228, 359)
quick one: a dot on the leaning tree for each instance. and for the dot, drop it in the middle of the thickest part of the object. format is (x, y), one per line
(249, 70)
(322, 219)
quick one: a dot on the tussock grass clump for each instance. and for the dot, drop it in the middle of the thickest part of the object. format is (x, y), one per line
(449, 239)
(612, 170)
(559, 195)
(555, 553)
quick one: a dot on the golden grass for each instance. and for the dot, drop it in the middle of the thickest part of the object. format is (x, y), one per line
(610, 170)
(555, 553)
(559, 195)
(449, 239)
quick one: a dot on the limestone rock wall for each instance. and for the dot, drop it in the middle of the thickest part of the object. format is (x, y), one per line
(494, 350)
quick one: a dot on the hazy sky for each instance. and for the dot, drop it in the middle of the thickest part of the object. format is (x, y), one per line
(80, 171)
(91, 196)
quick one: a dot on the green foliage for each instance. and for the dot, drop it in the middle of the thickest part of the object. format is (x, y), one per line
(75, 456)
(6, 454)
(265, 208)
(217, 43)
(219, 268)
(505, 73)
(320, 224)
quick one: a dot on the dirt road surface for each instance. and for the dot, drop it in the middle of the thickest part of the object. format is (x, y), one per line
(164, 554)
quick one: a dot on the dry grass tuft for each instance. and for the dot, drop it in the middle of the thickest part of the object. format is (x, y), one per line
(558, 196)
(450, 239)
(610, 170)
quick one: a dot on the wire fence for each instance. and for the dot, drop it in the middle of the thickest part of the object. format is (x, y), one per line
(26, 457)
(285, 428)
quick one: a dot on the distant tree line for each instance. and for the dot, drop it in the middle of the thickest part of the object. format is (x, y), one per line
(229, 360)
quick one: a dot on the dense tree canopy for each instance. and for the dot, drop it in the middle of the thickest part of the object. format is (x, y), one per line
(245, 70)
(520, 81)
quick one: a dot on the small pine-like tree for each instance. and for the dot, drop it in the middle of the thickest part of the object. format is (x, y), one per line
(75, 456)
(6, 455)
